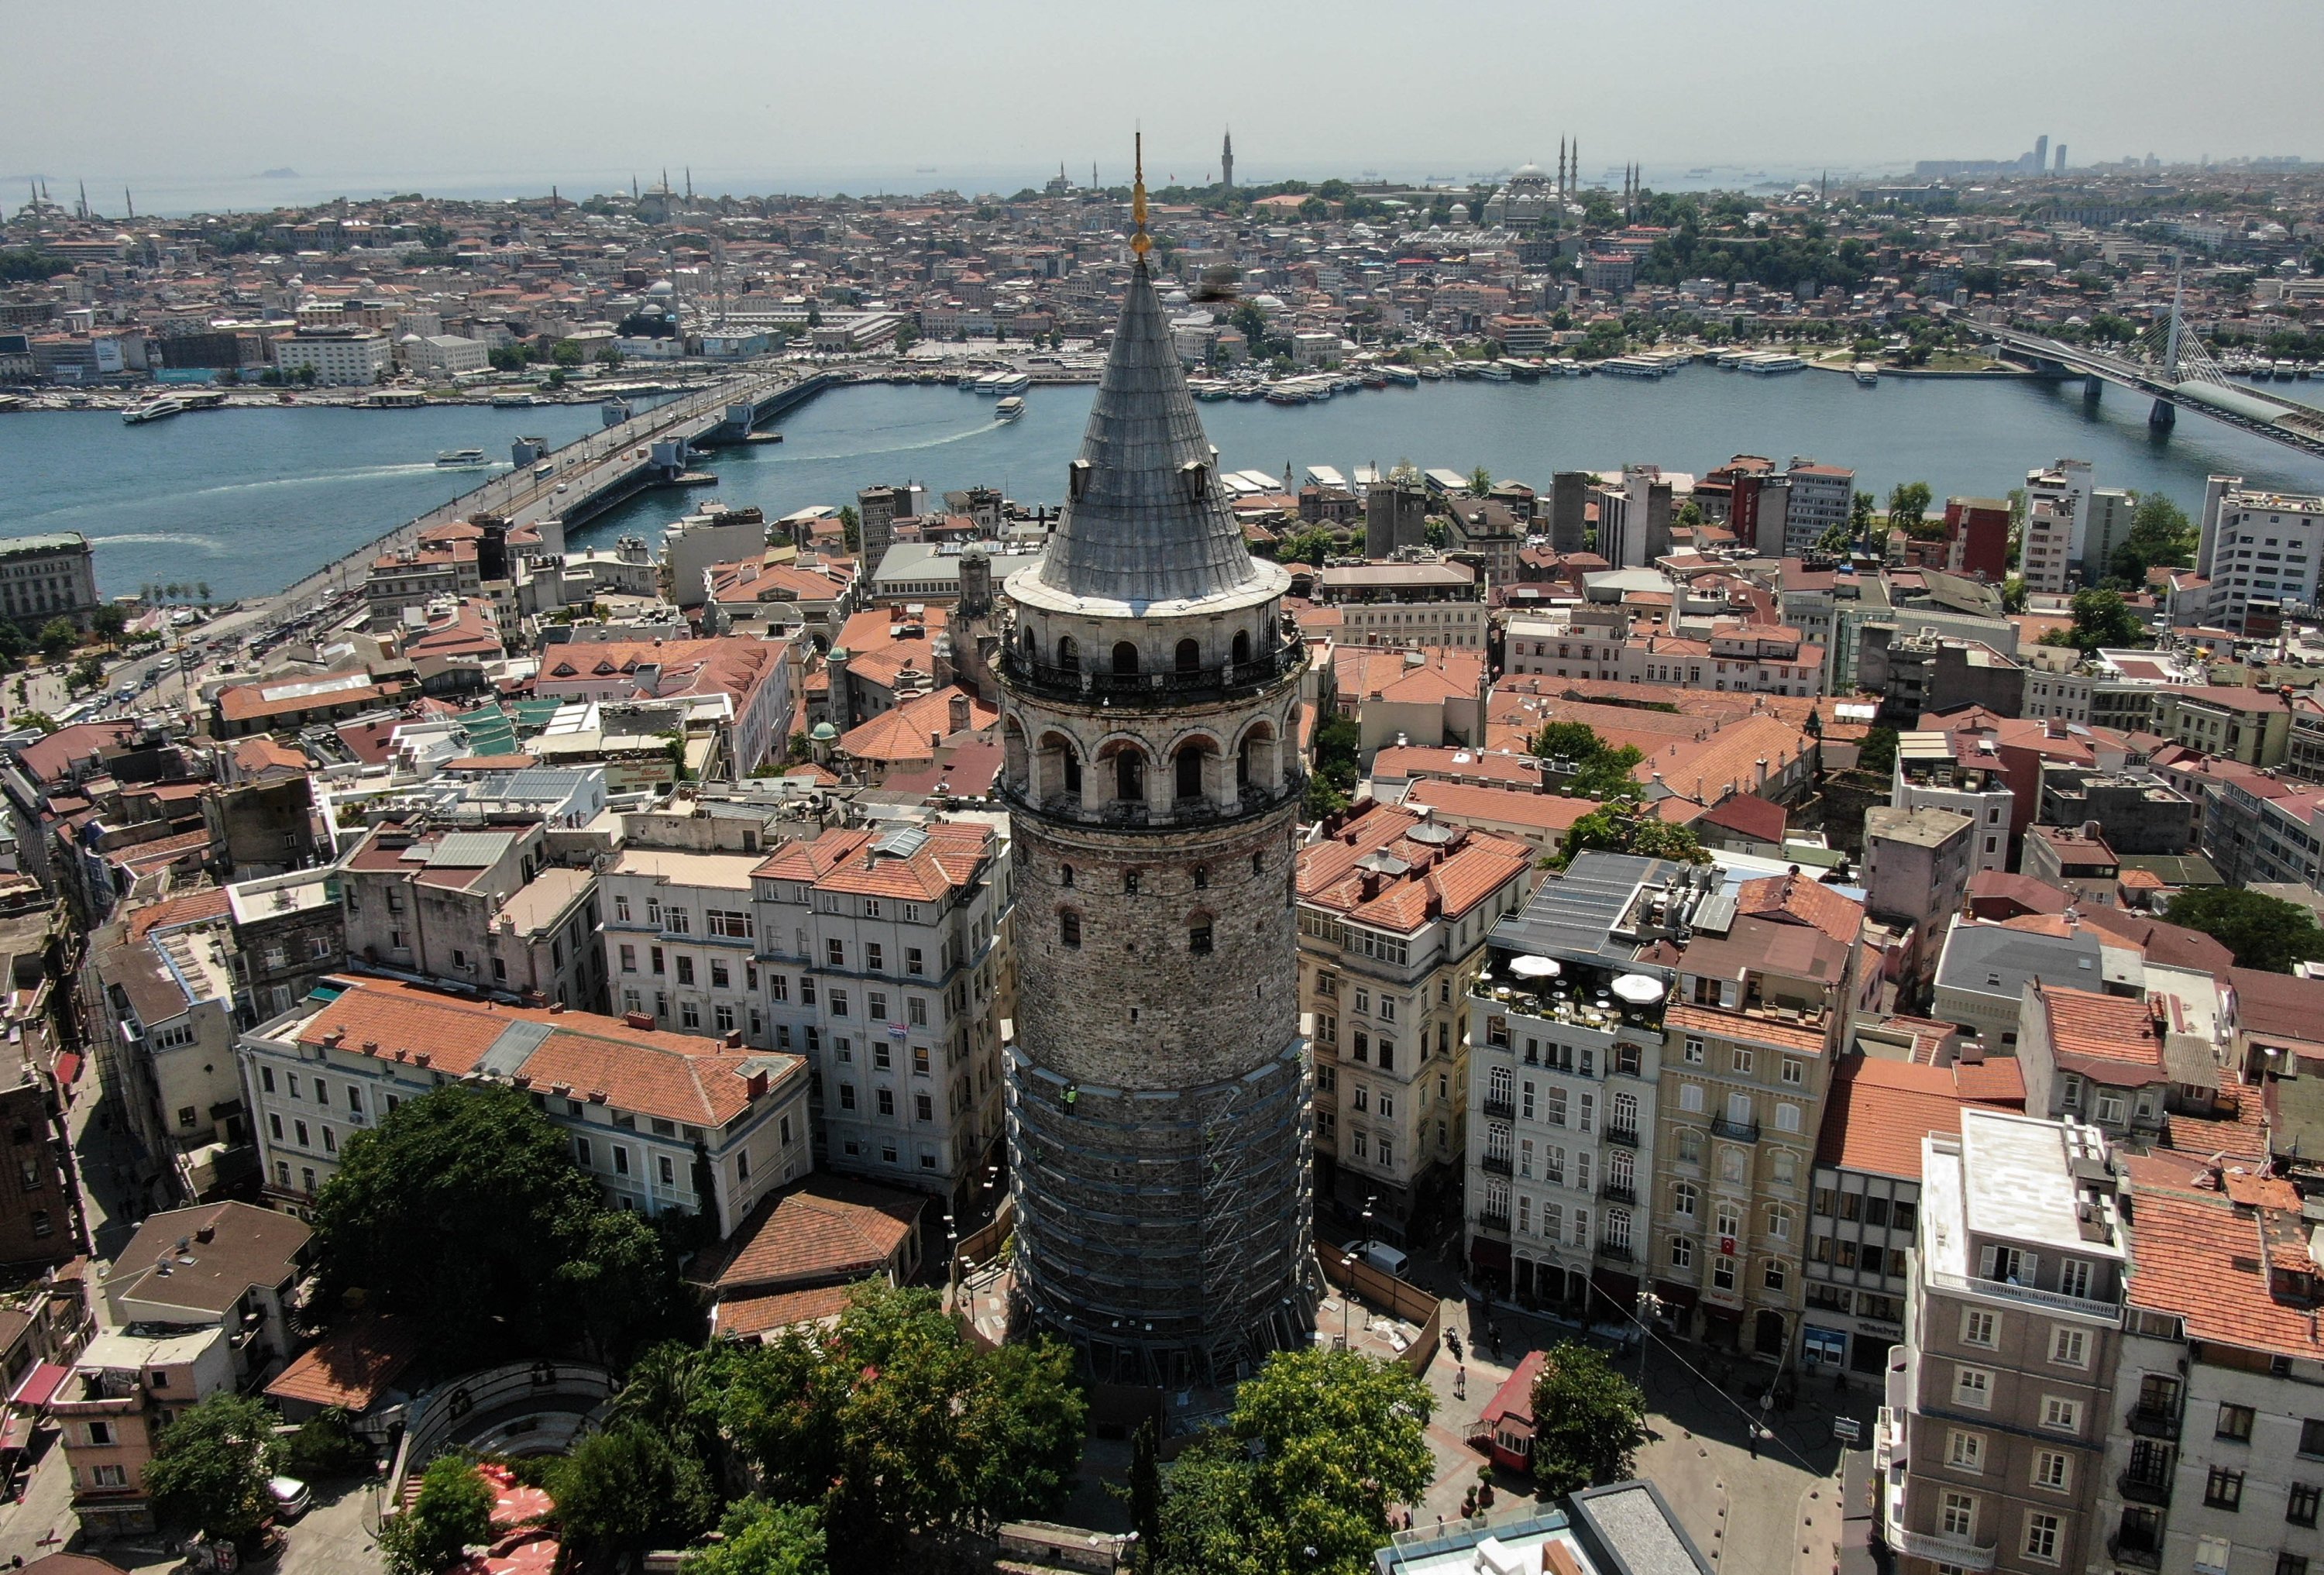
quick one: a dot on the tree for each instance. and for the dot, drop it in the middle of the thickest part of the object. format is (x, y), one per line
(2012, 593)
(1144, 1490)
(2101, 618)
(88, 673)
(398, 1222)
(2263, 932)
(1320, 1445)
(902, 1427)
(202, 592)
(1598, 771)
(57, 637)
(567, 353)
(759, 1538)
(1861, 509)
(2160, 534)
(851, 526)
(1589, 1421)
(109, 621)
(1437, 533)
(1481, 481)
(608, 358)
(626, 1487)
(39, 719)
(1625, 828)
(1908, 502)
(210, 1467)
(1878, 752)
(452, 1513)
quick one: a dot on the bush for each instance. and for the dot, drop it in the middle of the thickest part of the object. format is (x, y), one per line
(453, 1510)
(326, 1446)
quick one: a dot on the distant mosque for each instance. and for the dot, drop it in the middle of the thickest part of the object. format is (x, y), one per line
(1533, 196)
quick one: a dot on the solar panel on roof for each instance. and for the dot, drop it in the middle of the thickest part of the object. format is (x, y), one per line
(470, 850)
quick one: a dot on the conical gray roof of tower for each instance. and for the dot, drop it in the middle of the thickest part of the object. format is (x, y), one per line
(1140, 531)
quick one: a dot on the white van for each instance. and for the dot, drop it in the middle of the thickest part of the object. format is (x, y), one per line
(1380, 1255)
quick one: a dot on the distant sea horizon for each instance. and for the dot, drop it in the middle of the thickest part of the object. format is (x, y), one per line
(288, 185)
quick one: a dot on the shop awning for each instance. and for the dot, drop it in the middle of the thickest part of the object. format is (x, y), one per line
(40, 1386)
(1488, 1253)
(17, 1435)
(69, 1068)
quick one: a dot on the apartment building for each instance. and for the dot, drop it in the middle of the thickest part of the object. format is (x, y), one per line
(2215, 1460)
(1762, 994)
(2103, 1059)
(2064, 489)
(2228, 721)
(1932, 772)
(1865, 1212)
(883, 960)
(2050, 562)
(51, 575)
(165, 999)
(1394, 913)
(198, 1301)
(2000, 1399)
(1421, 601)
(461, 906)
(2260, 550)
(664, 1122)
(1820, 497)
(1562, 1084)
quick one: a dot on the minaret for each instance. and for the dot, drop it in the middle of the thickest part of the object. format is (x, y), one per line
(1561, 168)
(1158, 1085)
(1226, 161)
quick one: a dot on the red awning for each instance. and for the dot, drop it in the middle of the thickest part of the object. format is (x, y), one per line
(1486, 1253)
(69, 1068)
(17, 1435)
(40, 1386)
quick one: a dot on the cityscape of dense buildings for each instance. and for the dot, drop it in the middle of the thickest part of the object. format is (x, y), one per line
(1731, 915)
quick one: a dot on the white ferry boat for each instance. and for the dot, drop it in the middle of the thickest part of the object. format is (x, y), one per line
(154, 409)
(1866, 372)
(1009, 410)
(1495, 372)
(460, 458)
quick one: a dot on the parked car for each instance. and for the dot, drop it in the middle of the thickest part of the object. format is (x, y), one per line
(290, 1495)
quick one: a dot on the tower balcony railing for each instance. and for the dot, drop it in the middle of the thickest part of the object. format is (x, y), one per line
(1168, 686)
(1137, 813)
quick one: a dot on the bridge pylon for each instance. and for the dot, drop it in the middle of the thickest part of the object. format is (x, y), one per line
(2163, 416)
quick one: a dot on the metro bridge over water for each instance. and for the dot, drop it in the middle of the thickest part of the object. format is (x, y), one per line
(2175, 368)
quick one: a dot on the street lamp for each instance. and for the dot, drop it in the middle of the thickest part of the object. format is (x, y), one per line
(1650, 1307)
(952, 1261)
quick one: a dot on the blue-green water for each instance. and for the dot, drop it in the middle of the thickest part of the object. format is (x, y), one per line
(249, 500)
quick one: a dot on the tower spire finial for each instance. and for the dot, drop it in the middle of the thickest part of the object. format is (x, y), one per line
(1141, 242)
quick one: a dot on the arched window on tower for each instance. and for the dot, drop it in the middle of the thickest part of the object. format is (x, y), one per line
(1125, 658)
(1198, 934)
(1190, 656)
(1064, 874)
(1073, 772)
(1241, 647)
(1189, 765)
(1069, 655)
(1069, 928)
(1129, 777)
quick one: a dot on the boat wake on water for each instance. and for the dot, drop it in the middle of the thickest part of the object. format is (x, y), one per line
(209, 544)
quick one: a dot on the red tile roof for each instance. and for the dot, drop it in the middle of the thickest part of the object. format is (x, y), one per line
(2108, 1038)
(1878, 1111)
(353, 1367)
(828, 1228)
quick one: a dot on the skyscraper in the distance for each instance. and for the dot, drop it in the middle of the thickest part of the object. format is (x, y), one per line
(2061, 159)
(1158, 1084)
(1226, 161)
(2041, 153)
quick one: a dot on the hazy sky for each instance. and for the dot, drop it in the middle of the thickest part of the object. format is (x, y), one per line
(756, 95)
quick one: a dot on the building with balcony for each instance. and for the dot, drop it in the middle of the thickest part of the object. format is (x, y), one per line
(1421, 601)
(1563, 1076)
(199, 1301)
(2215, 1459)
(1999, 1401)
(1394, 912)
(462, 907)
(1761, 999)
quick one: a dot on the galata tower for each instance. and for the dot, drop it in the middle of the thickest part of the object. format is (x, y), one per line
(1158, 1084)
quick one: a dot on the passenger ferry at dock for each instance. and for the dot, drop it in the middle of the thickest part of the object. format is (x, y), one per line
(1866, 373)
(154, 409)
